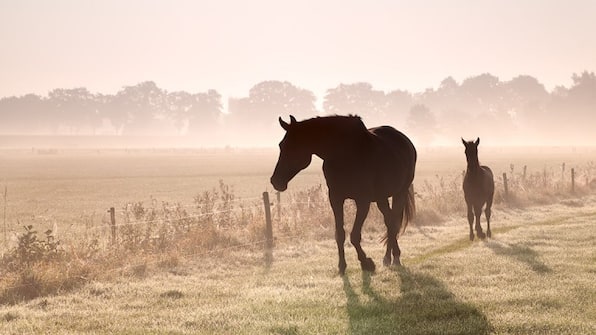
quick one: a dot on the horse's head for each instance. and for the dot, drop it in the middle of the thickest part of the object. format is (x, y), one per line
(471, 150)
(294, 155)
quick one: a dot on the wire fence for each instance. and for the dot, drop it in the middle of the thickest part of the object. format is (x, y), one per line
(227, 212)
(131, 217)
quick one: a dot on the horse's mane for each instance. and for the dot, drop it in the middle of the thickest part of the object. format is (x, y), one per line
(352, 122)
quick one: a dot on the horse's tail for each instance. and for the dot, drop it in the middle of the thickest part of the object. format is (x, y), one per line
(409, 211)
(408, 214)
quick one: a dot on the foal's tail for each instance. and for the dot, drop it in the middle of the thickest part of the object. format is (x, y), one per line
(409, 211)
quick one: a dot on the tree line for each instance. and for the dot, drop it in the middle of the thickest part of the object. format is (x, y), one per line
(520, 109)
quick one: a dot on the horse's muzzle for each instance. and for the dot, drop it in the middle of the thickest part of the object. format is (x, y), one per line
(279, 186)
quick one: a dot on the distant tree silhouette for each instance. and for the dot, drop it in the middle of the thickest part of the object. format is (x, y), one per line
(179, 105)
(28, 114)
(139, 108)
(75, 109)
(482, 105)
(360, 99)
(422, 124)
(583, 91)
(398, 107)
(205, 112)
(265, 103)
(526, 100)
(575, 108)
(482, 93)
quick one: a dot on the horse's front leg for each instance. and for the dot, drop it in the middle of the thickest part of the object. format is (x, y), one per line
(362, 208)
(471, 221)
(337, 205)
(478, 213)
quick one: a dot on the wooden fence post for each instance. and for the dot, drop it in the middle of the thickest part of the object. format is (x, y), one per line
(525, 170)
(268, 231)
(268, 225)
(572, 180)
(5, 193)
(505, 185)
(112, 212)
(278, 206)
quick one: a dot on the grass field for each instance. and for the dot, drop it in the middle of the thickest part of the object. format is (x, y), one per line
(534, 277)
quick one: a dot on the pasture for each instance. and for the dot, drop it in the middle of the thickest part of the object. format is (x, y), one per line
(535, 276)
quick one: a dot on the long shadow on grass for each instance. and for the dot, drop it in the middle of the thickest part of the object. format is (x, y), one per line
(520, 253)
(425, 306)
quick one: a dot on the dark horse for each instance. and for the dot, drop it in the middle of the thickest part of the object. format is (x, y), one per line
(479, 188)
(366, 165)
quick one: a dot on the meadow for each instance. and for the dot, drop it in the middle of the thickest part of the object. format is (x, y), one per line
(212, 274)
(67, 187)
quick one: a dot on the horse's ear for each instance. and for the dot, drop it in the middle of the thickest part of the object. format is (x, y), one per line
(283, 124)
(292, 119)
(463, 141)
(477, 141)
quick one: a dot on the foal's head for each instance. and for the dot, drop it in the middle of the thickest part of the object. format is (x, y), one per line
(294, 154)
(471, 151)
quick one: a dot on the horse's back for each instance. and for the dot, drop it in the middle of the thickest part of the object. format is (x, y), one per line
(395, 141)
(479, 188)
(396, 157)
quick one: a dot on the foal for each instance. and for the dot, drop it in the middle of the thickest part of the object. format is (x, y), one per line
(479, 188)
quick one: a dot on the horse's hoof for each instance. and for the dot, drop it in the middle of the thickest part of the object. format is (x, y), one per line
(396, 262)
(368, 265)
(342, 269)
(481, 235)
(387, 261)
(488, 234)
(471, 236)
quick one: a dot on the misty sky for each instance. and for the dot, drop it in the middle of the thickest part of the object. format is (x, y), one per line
(315, 44)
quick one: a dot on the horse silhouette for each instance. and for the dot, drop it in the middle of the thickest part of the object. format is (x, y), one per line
(479, 188)
(366, 165)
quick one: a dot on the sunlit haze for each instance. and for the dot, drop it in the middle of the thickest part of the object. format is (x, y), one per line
(231, 45)
(420, 66)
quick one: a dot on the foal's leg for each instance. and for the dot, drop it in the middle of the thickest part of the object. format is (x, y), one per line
(471, 221)
(362, 208)
(478, 213)
(337, 205)
(387, 216)
(487, 212)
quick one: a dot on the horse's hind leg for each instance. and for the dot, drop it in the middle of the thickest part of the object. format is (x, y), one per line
(391, 235)
(487, 212)
(362, 208)
(398, 205)
(337, 205)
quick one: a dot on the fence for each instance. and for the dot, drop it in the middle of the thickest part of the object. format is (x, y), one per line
(220, 213)
(523, 181)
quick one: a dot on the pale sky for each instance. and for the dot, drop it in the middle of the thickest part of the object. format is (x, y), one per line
(315, 44)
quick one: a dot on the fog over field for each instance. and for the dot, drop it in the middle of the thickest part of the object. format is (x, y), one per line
(139, 139)
(519, 111)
